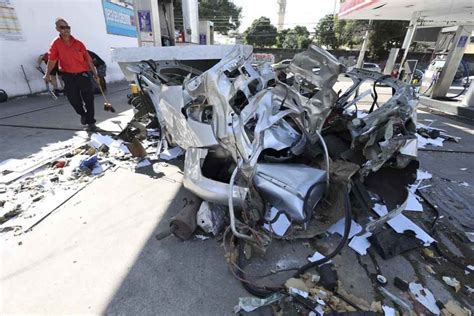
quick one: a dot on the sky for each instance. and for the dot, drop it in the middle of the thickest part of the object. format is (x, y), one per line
(298, 12)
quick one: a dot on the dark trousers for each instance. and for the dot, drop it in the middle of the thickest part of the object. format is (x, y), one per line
(78, 89)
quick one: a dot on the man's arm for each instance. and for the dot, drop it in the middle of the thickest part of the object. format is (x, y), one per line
(49, 68)
(91, 64)
(39, 61)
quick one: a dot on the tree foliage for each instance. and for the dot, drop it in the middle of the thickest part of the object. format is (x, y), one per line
(334, 33)
(325, 32)
(224, 13)
(295, 38)
(261, 33)
(353, 32)
(385, 35)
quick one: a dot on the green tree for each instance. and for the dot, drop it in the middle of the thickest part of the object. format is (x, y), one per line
(261, 33)
(385, 35)
(353, 32)
(333, 33)
(295, 38)
(291, 40)
(224, 13)
(302, 36)
(280, 38)
(325, 33)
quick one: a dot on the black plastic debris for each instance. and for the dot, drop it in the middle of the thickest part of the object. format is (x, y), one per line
(401, 284)
(328, 277)
(389, 243)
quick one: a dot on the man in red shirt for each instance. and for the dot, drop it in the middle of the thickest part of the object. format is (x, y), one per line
(75, 65)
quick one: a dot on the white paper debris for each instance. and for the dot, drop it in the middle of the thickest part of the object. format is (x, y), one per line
(98, 140)
(469, 289)
(280, 226)
(423, 142)
(201, 237)
(388, 311)
(143, 163)
(413, 204)
(463, 169)
(299, 292)
(410, 148)
(117, 147)
(425, 297)
(401, 224)
(360, 243)
(317, 256)
(423, 175)
(338, 228)
(172, 153)
(464, 184)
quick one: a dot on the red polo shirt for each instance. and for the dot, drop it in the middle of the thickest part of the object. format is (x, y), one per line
(72, 56)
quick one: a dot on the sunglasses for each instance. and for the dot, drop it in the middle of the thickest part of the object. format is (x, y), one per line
(64, 27)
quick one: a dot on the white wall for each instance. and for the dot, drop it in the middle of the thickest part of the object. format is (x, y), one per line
(36, 17)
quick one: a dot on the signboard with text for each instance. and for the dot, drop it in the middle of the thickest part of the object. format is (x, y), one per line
(259, 58)
(119, 17)
(10, 28)
(349, 6)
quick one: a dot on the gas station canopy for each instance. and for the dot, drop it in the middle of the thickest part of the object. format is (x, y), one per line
(429, 10)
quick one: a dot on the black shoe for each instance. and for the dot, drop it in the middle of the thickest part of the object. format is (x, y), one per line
(91, 127)
(83, 120)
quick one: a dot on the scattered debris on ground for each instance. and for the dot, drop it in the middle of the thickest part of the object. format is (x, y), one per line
(278, 159)
(33, 188)
(278, 156)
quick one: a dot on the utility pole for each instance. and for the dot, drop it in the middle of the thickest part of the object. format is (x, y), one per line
(365, 43)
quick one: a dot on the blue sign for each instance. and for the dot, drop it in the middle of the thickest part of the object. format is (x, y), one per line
(463, 41)
(144, 20)
(119, 17)
(202, 39)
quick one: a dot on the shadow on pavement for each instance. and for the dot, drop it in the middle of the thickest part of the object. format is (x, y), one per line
(171, 277)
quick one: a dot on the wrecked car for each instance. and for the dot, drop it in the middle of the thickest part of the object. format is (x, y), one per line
(270, 142)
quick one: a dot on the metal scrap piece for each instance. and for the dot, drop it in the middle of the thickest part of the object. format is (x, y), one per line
(294, 189)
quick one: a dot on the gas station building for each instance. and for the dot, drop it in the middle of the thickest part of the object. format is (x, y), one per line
(451, 23)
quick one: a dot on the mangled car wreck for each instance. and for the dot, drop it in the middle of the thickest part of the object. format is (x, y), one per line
(264, 145)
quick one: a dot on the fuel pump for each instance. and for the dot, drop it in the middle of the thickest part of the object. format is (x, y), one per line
(448, 52)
